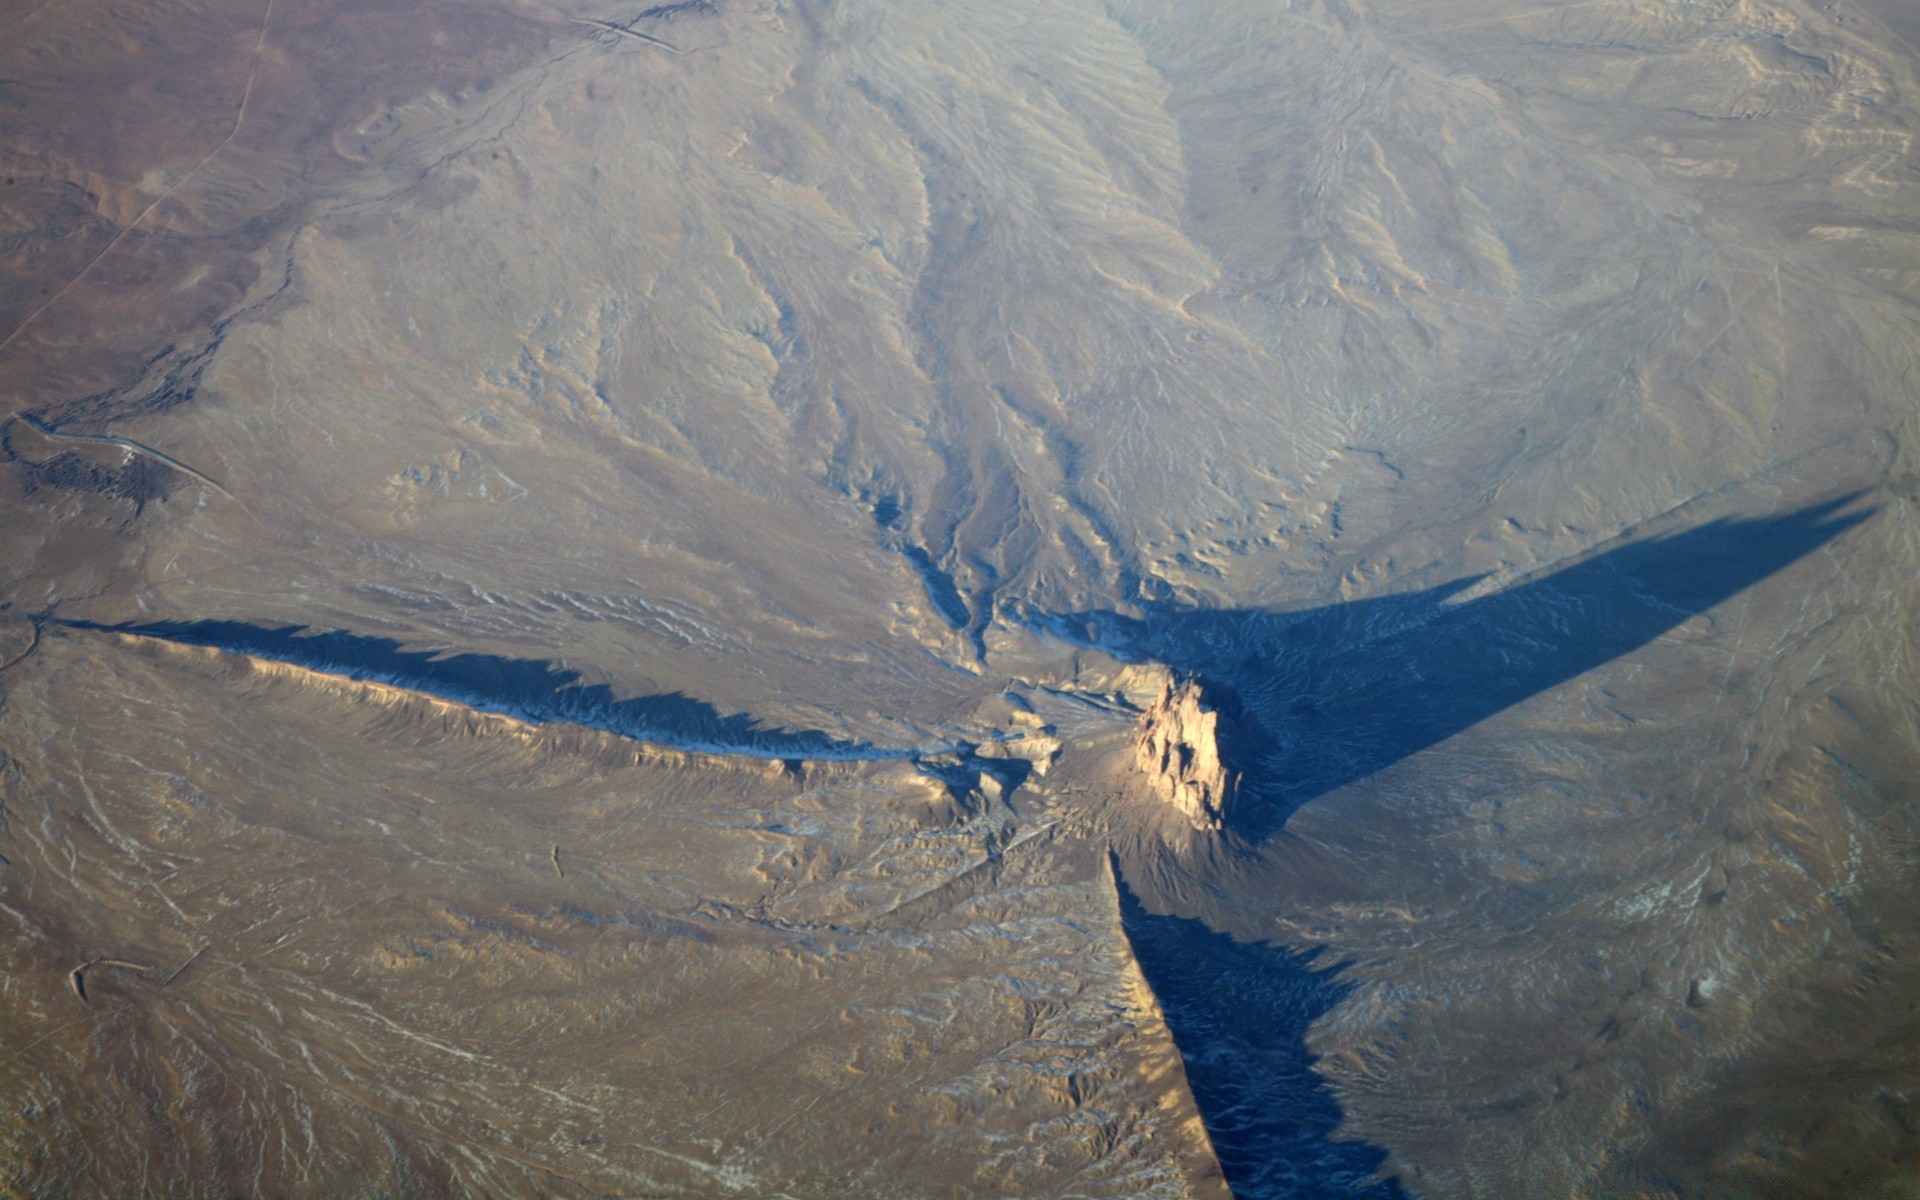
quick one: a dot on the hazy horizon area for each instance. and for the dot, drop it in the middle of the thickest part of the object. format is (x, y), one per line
(1241, 599)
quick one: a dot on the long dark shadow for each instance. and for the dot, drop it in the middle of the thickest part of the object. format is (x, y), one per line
(1239, 1014)
(529, 689)
(1327, 696)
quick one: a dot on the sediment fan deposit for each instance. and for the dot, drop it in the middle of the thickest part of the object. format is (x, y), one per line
(1178, 751)
(578, 585)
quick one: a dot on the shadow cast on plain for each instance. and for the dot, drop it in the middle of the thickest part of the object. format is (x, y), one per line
(528, 689)
(1239, 1013)
(1325, 697)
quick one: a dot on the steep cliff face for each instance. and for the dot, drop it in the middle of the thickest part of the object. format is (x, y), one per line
(1179, 752)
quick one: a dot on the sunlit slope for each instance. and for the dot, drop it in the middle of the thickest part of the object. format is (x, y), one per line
(362, 938)
(849, 304)
(860, 325)
(1547, 299)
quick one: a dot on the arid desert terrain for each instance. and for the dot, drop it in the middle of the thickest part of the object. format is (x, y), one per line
(1242, 599)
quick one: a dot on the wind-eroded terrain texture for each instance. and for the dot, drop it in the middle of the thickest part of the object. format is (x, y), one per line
(578, 584)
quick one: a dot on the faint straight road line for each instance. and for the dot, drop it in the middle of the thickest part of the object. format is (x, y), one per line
(1890, 30)
(239, 117)
(44, 6)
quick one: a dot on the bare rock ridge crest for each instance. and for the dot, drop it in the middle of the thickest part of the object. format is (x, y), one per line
(1178, 750)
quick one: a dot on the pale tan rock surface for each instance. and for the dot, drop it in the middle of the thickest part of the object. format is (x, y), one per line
(1178, 751)
(470, 956)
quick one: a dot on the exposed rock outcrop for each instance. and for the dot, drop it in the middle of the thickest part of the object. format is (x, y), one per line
(1178, 750)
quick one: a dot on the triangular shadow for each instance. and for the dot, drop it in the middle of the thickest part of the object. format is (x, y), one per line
(1324, 697)
(1239, 1013)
